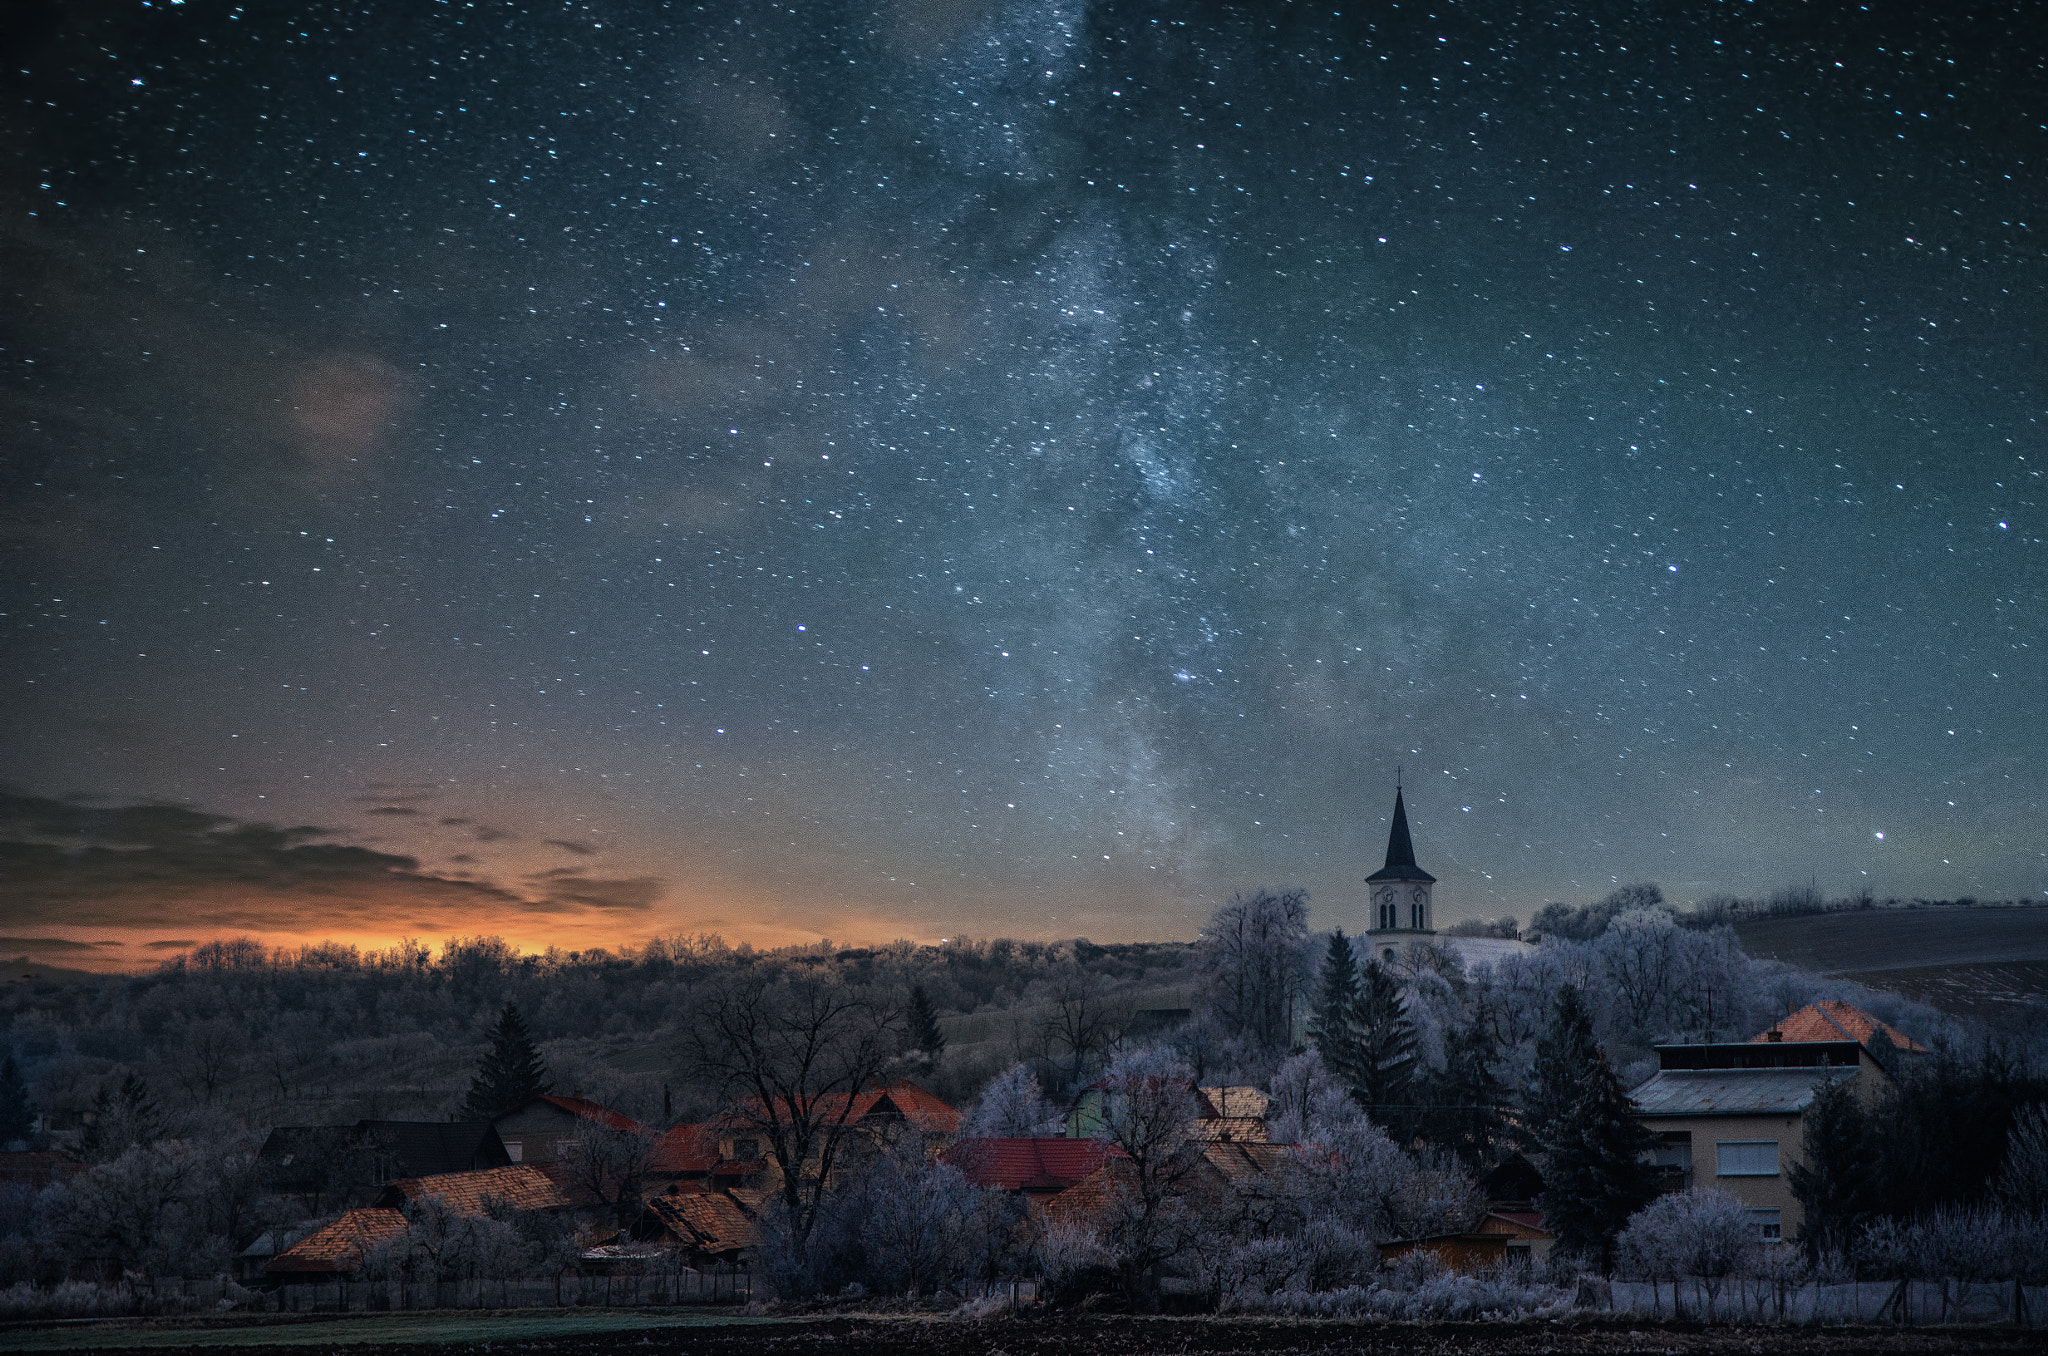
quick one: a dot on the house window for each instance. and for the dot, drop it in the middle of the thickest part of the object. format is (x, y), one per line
(1673, 1160)
(514, 1149)
(1765, 1223)
(1746, 1158)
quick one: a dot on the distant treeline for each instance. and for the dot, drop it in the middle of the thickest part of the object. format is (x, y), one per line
(1584, 922)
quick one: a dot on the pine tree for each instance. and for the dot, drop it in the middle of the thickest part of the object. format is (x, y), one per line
(1594, 1152)
(1840, 1184)
(1329, 1023)
(120, 1120)
(924, 1024)
(1564, 1052)
(1383, 1073)
(17, 1114)
(510, 1075)
(1466, 1099)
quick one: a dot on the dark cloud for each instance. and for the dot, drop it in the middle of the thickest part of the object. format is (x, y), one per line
(77, 865)
(486, 834)
(48, 944)
(580, 849)
(170, 944)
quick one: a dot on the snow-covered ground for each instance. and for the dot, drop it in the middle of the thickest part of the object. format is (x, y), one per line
(1484, 950)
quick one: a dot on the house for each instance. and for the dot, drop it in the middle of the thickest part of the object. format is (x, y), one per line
(1729, 1115)
(708, 1227)
(1220, 1113)
(1519, 1238)
(315, 1161)
(1038, 1168)
(533, 1131)
(38, 1168)
(336, 1251)
(519, 1186)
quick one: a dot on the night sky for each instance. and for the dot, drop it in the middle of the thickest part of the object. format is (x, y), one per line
(901, 470)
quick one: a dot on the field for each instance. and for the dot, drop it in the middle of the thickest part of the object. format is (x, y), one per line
(1899, 939)
(707, 1335)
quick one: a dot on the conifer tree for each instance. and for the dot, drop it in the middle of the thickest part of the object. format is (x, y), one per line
(510, 1075)
(1329, 1024)
(17, 1114)
(120, 1120)
(1383, 1071)
(1593, 1150)
(1840, 1184)
(924, 1024)
(1465, 1100)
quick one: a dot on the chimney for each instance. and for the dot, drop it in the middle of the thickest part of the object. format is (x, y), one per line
(1774, 1035)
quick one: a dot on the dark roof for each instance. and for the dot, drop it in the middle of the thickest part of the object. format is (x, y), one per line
(1734, 1092)
(1400, 849)
(39, 1167)
(424, 1148)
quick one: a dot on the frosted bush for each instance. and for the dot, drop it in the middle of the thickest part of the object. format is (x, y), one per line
(1701, 1232)
(1447, 1295)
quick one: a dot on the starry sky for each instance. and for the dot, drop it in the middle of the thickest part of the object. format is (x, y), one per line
(593, 470)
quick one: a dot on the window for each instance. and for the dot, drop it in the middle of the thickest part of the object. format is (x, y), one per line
(1765, 1223)
(1746, 1158)
(1418, 915)
(513, 1150)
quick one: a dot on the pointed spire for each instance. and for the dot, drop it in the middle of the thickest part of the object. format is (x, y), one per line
(1400, 848)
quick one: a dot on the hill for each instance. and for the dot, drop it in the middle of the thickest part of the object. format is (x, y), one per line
(1900, 939)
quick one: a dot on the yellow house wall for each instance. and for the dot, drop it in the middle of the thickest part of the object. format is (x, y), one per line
(1760, 1193)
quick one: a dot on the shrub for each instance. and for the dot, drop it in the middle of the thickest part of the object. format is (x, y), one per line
(1701, 1232)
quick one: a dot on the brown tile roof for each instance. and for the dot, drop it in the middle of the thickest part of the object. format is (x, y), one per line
(1241, 1162)
(1026, 1164)
(523, 1186)
(1233, 1103)
(1514, 1224)
(339, 1246)
(1833, 1020)
(1242, 1129)
(708, 1221)
(592, 1111)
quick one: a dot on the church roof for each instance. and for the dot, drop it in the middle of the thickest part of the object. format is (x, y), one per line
(1400, 850)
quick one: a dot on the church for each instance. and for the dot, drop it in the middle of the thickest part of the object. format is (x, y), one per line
(1399, 891)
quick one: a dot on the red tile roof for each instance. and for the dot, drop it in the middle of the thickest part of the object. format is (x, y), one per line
(901, 1098)
(1833, 1020)
(523, 1186)
(685, 1149)
(1026, 1164)
(592, 1111)
(339, 1246)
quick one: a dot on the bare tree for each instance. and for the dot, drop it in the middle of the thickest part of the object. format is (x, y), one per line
(1083, 1023)
(1148, 1111)
(791, 1055)
(1259, 966)
(611, 1164)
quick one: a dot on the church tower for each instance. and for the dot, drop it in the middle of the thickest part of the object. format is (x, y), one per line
(1400, 890)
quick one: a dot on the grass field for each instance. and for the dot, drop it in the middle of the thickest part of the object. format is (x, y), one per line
(360, 1329)
(1050, 1335)
(1900, 939)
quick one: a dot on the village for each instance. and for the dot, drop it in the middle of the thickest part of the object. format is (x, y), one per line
(1404, 1124)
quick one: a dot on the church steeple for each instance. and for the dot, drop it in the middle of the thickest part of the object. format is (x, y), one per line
(1400, 890)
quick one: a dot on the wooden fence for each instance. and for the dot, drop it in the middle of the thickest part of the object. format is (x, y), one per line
(666, 1288)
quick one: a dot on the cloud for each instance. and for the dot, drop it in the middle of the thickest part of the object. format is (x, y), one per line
(486, 834)
(392, 810)
(170, 944)
(49, 944)
(72, 866)
(580, 849)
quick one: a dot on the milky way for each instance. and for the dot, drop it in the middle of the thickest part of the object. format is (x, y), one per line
(1031, 469)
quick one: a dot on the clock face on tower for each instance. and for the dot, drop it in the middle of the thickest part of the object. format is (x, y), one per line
(1419, 895)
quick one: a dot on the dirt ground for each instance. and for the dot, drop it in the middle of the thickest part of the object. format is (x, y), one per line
(1097, 1336)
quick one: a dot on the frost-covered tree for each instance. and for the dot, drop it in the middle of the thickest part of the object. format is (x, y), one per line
(1466, 1101)
(1701, 1232)
(1255, 951)
(2023, 1180)
(1012, 1106)
(1148, 1113)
